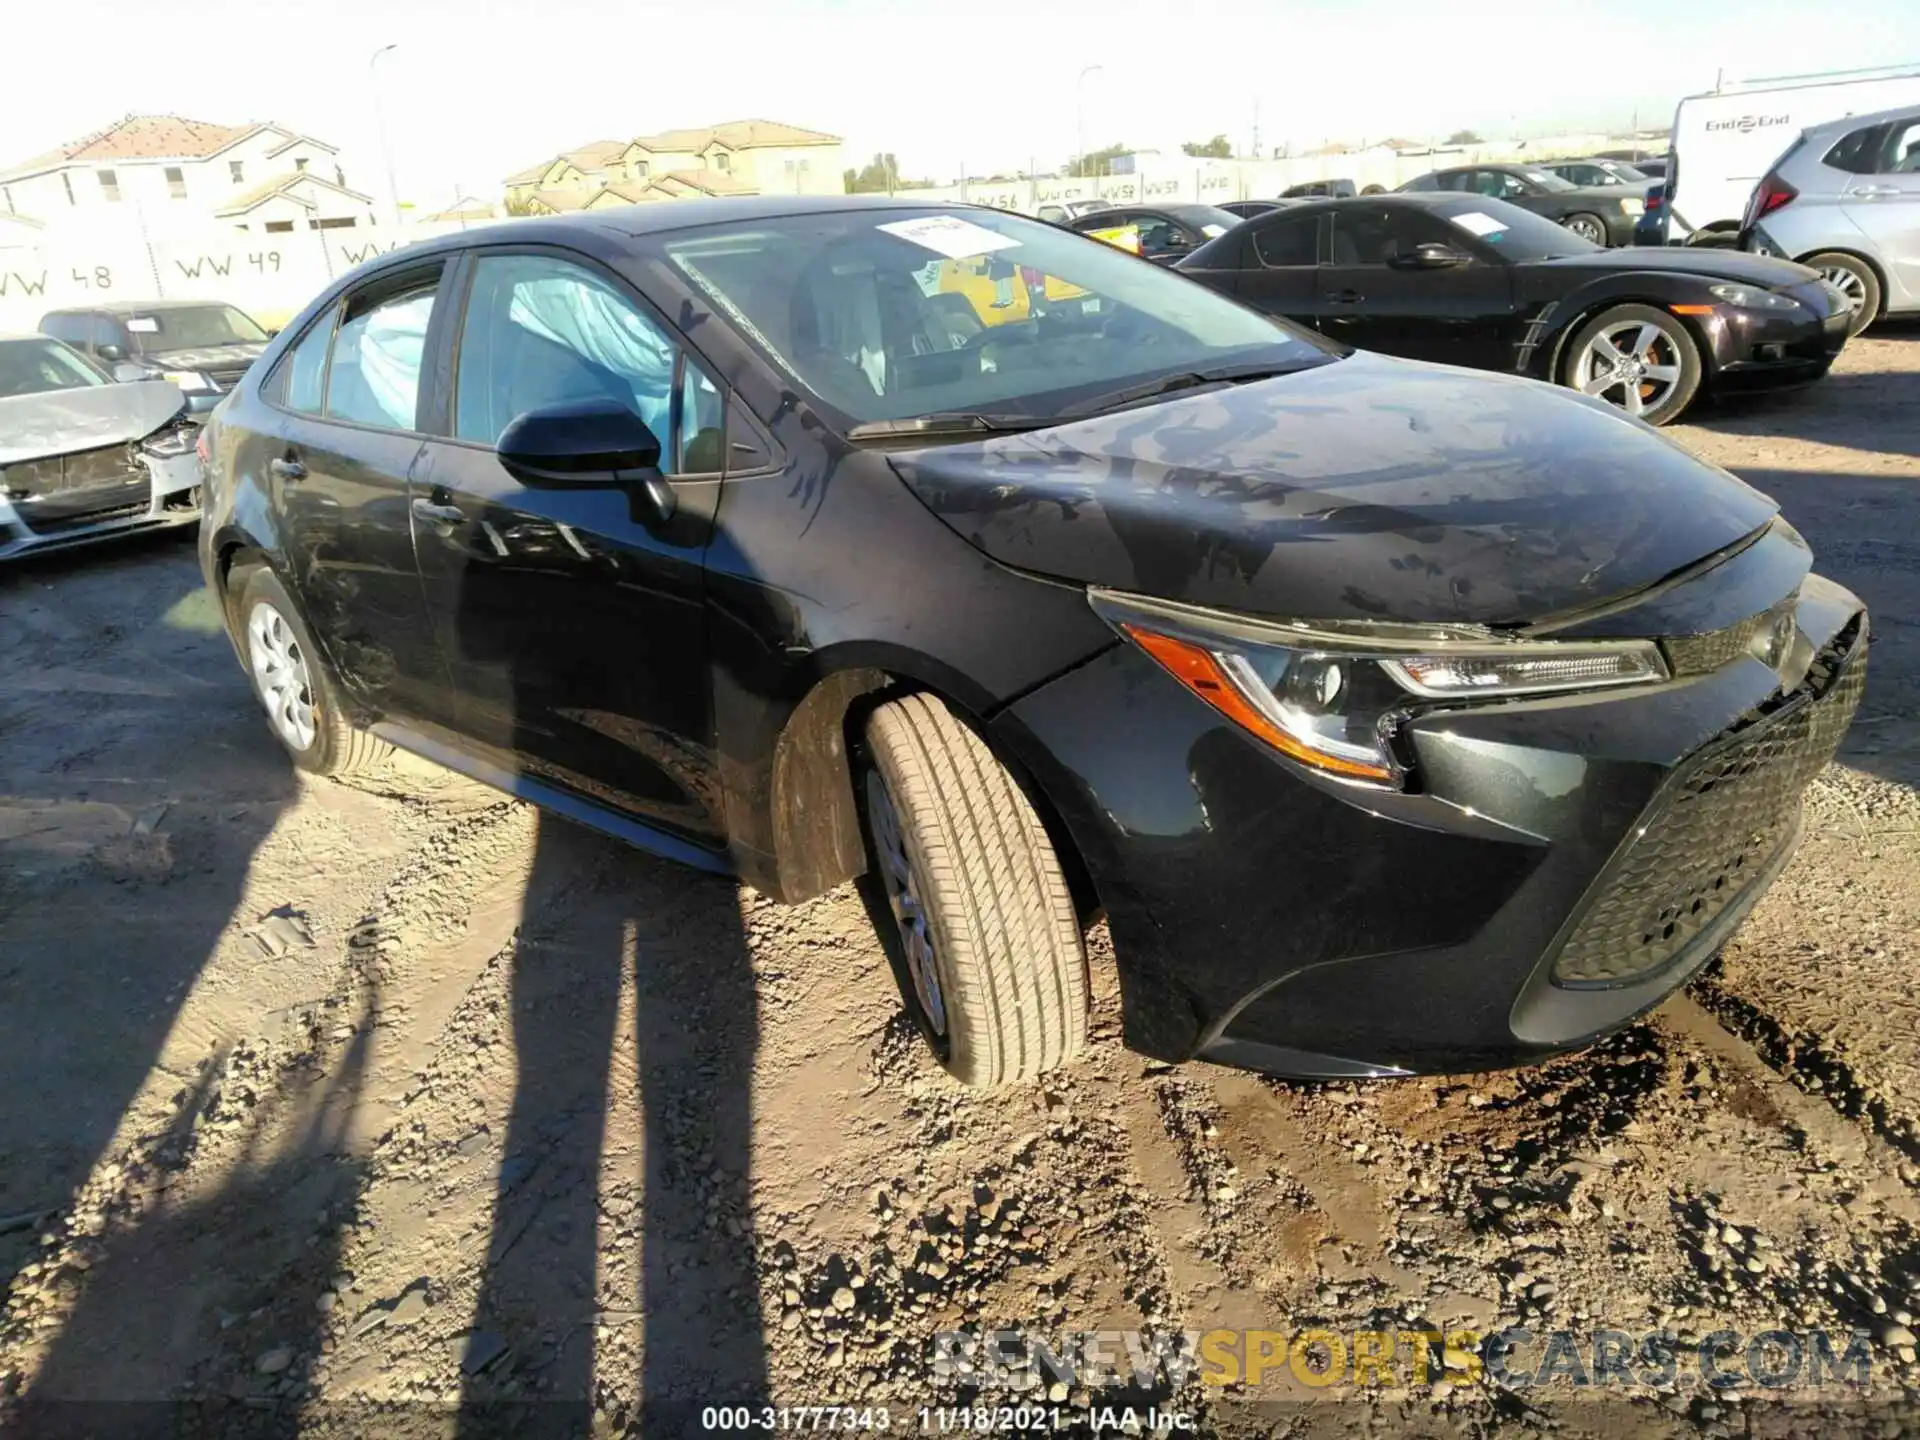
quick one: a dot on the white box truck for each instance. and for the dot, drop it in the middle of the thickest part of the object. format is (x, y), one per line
(1725, 140)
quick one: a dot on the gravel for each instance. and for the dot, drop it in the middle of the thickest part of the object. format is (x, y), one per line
(399, 1092)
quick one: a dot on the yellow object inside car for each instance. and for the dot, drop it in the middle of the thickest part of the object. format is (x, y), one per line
(999, 291)
(1124, 237)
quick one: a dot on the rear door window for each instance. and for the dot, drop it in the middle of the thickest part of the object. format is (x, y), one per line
(1900, 154)
(1292, 241)
(302, 378)
(374, 374)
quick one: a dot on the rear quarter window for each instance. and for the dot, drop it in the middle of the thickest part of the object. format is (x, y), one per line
(1857, 152)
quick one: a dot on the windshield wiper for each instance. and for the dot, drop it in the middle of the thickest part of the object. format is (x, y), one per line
(1183, 380)
(947, 423)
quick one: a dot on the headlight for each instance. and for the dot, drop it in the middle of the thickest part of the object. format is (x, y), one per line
(170, 443)
(1332, 696)
(1633, 205)
(1749, 297)
(192, 381)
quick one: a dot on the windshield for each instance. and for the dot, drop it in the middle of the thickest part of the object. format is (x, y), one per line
(1545, 179)
(1625, 174)
(194, 327)
(888, 314)
(34, 367)
(1517, 234)
(1209, 220)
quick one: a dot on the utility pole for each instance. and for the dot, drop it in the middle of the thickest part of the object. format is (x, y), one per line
(1080, 114)
(380, 119)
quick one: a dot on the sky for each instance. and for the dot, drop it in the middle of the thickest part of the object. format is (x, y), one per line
(478, 89)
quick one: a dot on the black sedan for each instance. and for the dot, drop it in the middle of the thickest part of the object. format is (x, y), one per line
(1247, 209)
(1397, 717)
(1161, 233)
(1478, 282)
(1604, 214)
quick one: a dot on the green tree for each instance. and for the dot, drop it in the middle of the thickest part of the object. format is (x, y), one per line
(1218, 148)
(1096, 162)
(880, 174)
(1465, 137)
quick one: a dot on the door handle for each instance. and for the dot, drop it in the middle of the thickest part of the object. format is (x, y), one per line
(438, 514)
(285, 467)
(1345, 297)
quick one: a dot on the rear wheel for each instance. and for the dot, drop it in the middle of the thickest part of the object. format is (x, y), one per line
(1637, 358)
(984, 937)
(1853, 278)
(1587, 227)
(293, 686)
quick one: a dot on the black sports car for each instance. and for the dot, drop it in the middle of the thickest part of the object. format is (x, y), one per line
(1398, 717)
(1477, 282)
(1161, 233)
(1604, 214)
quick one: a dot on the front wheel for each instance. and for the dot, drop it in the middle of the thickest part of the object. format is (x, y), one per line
(985, 939)
(1637, 358)
(1855, 280)
(1587, 227)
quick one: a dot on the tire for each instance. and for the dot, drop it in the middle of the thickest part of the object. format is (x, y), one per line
(1857, 278)
(963, 880)
(1677, 364)
(1590, 227)
(301, 708)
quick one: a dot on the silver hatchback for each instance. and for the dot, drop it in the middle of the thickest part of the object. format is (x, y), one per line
(1845, 199)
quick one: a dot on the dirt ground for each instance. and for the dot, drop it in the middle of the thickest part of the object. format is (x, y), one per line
(401, 1105)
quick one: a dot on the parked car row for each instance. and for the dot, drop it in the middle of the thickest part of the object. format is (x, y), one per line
(1398, 717)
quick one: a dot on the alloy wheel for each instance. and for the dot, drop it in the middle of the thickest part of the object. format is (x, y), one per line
(1634, 365)
(903, 896)
(281, 674)
(1847, 281)
(1587, 229)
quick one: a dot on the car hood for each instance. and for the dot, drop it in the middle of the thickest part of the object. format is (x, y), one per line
(204, 357)
(1709, 260)
(1366, 488)
(59, 422)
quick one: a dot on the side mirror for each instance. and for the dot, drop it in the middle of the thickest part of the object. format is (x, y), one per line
(109, 353)
(1430, 256)
(272, 330)
(125, 372)
(589, 444)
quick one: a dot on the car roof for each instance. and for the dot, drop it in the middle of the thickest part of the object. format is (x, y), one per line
(1847, 124)
(134, 307)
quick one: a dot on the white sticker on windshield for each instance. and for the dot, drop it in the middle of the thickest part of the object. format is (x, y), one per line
(1476, 223)
(949, 235)
(1213, 232)
(141, 325)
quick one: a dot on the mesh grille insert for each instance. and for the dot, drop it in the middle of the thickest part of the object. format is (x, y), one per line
(1712, 830)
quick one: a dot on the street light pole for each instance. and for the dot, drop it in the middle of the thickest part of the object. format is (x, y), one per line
(380, 119)
(1080, 115)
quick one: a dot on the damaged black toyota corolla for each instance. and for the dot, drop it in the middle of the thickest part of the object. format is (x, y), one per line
(1397, 717)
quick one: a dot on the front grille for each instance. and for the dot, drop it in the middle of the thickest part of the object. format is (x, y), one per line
(1699, 654)
(46, 526)
(1708, 836)
(87, 470)
(224, 380)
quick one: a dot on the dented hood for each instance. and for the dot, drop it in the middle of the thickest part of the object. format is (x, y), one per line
(1368, 488)
(59, 422)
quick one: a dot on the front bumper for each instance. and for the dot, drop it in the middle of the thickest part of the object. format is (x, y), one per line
(169, 497)
(1767, 349)
(1566, 864)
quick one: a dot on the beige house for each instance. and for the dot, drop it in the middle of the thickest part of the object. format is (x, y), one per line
(740, 157)
(259, 177)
